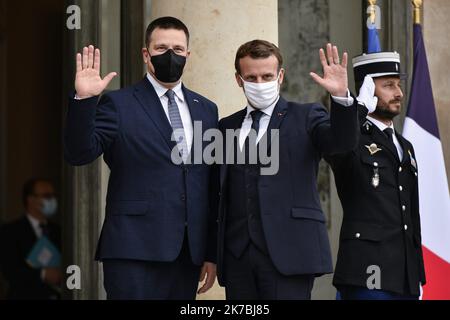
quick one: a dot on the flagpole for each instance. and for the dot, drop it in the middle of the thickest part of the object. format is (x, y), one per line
(372, 4)
(417, 11)
(373, 41)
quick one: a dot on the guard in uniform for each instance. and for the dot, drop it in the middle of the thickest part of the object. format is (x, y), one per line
(380, 252)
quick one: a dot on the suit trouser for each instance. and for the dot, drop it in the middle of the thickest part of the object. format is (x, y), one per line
(144, 280)
(253, 276)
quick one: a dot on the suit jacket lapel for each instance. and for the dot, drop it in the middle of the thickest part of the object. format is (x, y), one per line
(404, 145)
(150, 102)
(194, 106)
(196, 116)
(29, 237)
(228, 146)
(278, 115)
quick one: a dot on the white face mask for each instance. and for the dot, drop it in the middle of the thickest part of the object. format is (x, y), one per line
(261, 95)
(49, 207)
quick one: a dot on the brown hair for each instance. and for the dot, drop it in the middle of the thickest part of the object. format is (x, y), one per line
(257, 49)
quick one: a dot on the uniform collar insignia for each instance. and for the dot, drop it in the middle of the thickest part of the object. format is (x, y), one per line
(367, 126)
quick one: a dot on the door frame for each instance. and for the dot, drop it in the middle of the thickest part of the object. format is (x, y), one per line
(3, 113)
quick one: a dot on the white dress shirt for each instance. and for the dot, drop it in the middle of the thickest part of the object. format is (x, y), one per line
(263, 123)
(383, 127)
(36, 225)
(182, 107)
(267, 114)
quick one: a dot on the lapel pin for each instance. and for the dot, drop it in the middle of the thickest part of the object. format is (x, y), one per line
(413, 161)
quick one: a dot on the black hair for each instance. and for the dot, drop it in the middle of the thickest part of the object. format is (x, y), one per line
(165, 23)
(29, 188)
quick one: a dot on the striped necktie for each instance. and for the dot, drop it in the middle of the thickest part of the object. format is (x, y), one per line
(177, 125)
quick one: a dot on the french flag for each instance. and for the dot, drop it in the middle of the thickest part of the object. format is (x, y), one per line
(421, 128)
(373, 40)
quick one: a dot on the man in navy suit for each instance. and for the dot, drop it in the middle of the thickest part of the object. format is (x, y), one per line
(18, 238)
(273, 238)
(159, 234)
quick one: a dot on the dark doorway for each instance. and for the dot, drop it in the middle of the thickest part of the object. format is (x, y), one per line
(31, 47)
(32, 44)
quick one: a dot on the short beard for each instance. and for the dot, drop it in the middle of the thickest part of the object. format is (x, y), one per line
(383, 112)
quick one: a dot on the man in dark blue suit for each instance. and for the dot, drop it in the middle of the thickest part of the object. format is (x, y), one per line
(273, 239)
(18, 238)
(159, 234)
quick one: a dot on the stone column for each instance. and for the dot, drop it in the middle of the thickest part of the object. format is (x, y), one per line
(217, 29)
(82, 201)
(305, 27)
(132, 36)
(396, 35)
(436, 29)
(85, 187)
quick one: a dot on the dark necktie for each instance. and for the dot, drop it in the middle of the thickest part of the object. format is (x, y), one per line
(44, 228)
(177, 125)
(256, 117)
(389, 132)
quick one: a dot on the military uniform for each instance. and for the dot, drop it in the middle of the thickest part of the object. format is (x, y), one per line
(381, 224)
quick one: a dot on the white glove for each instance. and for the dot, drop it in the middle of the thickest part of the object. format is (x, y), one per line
(367, 94)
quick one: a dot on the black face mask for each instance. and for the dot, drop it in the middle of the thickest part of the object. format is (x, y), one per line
(168, 66)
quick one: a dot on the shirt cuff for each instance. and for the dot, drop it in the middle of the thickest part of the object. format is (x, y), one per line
(346, 102)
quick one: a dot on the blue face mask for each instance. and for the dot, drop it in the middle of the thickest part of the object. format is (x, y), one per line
(49, 207)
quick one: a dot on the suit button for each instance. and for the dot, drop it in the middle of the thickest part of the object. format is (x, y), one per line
(400, 188)
(375, 164)
(404, 208)
(183, 197)
(358, 235)
(406, 227)
(400, 169)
